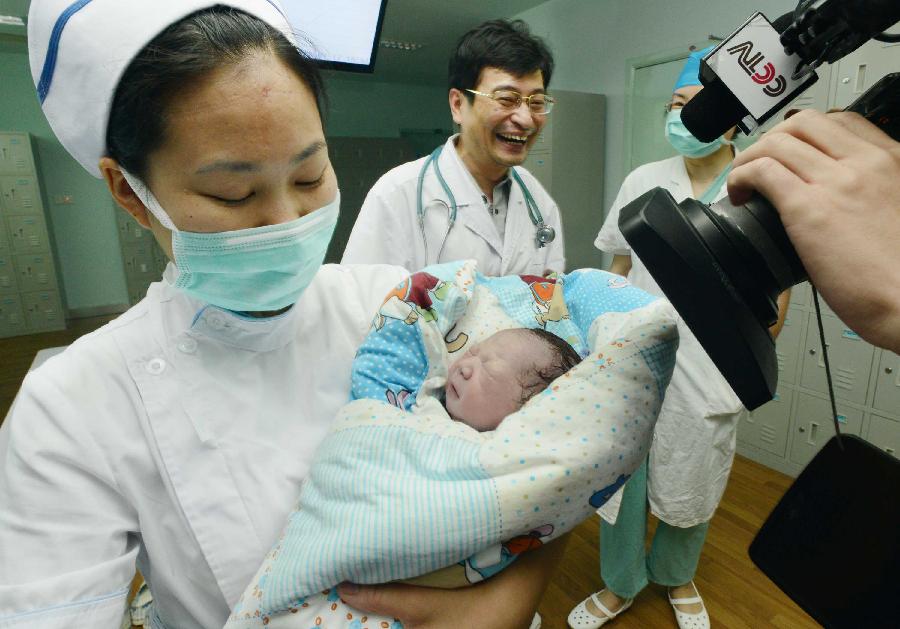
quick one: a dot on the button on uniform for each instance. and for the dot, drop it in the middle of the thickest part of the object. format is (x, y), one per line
(216, 322)
(156, 366)
(187, 346)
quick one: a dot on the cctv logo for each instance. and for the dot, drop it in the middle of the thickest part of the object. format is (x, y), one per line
(774, 85)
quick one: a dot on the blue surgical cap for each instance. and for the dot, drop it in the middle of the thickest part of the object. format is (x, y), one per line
(690, 75)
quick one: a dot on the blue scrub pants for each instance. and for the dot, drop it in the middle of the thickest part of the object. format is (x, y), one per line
(625, 566)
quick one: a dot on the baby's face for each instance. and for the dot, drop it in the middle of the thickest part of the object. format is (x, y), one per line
(487, 383)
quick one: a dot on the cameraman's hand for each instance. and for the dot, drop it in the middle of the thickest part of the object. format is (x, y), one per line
(835, 180)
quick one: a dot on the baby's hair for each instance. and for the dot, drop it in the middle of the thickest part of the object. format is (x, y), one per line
(564, 357)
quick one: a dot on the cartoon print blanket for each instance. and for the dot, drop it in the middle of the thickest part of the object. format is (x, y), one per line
(399, 490)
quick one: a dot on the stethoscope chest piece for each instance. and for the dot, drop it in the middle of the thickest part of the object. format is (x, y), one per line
(544, 234)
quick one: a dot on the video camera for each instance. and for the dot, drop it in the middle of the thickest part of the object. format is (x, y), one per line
(723, 266)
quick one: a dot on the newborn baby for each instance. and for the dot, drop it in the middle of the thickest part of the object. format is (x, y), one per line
(496, 377)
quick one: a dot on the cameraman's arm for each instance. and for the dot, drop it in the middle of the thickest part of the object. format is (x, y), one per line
(835, 180)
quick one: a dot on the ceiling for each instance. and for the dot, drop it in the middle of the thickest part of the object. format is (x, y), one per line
(435, 23)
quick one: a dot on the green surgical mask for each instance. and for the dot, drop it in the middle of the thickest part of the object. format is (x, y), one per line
(260, 269)
(684, 141)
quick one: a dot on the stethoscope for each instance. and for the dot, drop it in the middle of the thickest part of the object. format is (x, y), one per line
(543, 233)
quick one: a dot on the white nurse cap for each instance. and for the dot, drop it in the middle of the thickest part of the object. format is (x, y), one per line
(79, 50)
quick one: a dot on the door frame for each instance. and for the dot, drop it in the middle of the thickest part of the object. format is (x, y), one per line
(637, 63)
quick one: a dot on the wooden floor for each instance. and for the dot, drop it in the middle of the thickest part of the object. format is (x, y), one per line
(737, 594)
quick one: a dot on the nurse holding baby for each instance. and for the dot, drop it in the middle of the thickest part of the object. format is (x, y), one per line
(174, 439)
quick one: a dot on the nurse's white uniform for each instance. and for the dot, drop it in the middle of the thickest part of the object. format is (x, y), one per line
(695, 436)
(387, 229)
(174, 438)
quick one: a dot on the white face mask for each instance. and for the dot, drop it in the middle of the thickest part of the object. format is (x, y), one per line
(260, 269)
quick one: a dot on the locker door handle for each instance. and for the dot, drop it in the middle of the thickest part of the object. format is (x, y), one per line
(888, 370)
(821, 361)
(813, 429)
(860, 78)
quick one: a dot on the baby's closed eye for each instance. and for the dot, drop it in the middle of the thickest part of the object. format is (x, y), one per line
(497, 367)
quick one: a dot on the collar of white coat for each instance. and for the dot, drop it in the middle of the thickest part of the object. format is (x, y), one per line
(231, 328)
(459, 179)
(678, 177)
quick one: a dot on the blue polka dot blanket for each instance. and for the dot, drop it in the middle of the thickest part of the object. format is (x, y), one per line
(399, 490)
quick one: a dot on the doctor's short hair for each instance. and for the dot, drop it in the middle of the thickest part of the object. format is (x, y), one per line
(188, 49)
(507, 45)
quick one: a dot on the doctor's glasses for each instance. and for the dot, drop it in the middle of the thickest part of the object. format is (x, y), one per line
(508, 100)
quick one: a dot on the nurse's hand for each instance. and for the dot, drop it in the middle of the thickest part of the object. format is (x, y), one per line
(835, 180)
(506, 601)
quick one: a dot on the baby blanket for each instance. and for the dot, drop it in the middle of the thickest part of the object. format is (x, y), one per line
(398, 489)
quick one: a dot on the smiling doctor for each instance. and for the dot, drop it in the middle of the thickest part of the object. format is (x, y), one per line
(175, 439)
(471, 198)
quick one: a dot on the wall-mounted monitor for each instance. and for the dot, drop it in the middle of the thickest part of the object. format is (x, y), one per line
(343, 34)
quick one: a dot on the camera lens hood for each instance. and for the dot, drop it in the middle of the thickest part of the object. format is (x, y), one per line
(677, 244)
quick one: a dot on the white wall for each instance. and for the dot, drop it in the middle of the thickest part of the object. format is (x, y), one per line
(594, 41)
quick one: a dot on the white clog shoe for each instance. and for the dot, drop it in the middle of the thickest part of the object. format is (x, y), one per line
(581, 618)
(685, 620)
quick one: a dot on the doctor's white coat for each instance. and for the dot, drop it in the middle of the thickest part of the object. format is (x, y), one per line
(387, 229)
(175, 438)
(695, 436)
